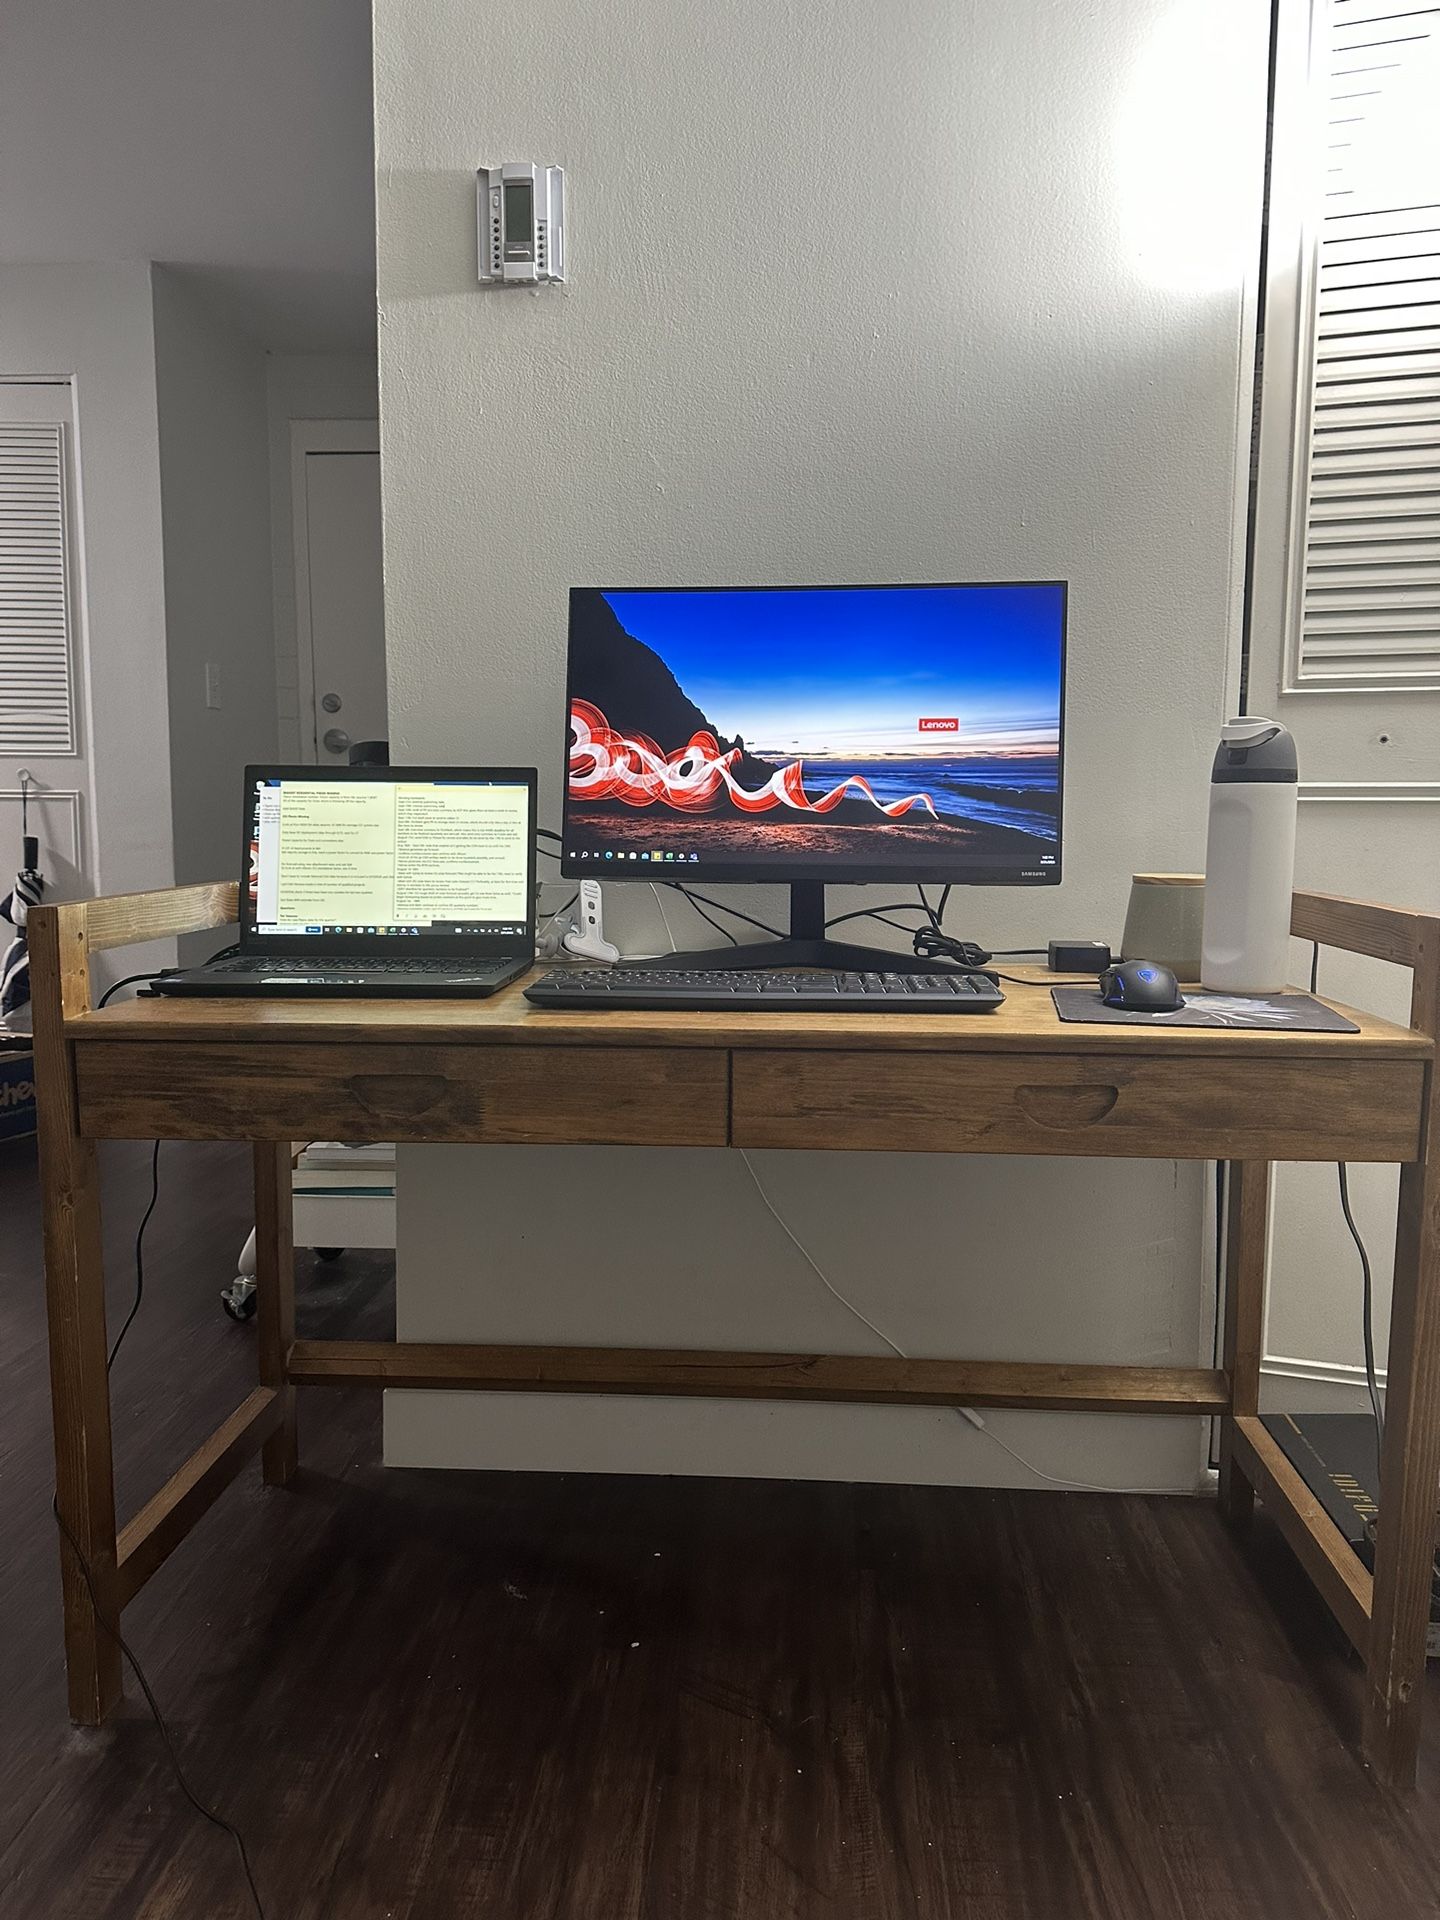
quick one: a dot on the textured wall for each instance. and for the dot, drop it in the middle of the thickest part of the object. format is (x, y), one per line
(215, 503)
(858, 293)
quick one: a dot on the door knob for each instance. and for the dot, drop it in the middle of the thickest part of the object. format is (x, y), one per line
(335, 740)
(330, 702)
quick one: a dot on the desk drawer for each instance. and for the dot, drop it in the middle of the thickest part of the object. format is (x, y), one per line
(1193, 1109)
(534, 1096)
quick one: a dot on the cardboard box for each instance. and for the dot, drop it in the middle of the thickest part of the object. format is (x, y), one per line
(17, 1093)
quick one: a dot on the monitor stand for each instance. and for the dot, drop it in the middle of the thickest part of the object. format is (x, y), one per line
(806, 946)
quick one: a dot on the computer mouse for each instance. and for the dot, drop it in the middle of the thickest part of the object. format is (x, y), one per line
(1144, 986)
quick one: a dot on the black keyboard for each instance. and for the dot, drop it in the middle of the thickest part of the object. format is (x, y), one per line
(772, 992)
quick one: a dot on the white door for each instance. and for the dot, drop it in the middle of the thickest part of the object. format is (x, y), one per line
(42, 679)
(339, 589)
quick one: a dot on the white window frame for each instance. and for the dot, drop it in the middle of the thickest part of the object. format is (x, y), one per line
(1297, 218)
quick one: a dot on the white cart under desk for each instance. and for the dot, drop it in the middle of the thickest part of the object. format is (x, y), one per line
(336, 1206)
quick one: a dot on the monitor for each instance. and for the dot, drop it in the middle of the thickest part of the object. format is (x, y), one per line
(362, 858)
(810, 734)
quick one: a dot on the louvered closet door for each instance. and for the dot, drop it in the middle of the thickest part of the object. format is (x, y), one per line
(41, 644)
(1345, 620)
(1365, 607)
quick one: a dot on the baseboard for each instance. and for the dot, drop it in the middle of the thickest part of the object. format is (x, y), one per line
(1332, 1373)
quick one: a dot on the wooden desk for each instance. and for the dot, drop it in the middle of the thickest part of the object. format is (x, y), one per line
(496, 1071)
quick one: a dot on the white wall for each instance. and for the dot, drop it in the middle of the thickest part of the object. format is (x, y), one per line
(303, 386)
(214, 491)
(776, 362)
(93, 325)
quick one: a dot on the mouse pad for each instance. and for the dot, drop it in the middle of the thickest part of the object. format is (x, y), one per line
(1276, 1011)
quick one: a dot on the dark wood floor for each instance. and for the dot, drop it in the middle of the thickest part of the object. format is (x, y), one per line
(568, 1698)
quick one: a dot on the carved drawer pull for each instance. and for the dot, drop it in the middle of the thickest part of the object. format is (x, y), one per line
(1066, 1106)
(401, 1094)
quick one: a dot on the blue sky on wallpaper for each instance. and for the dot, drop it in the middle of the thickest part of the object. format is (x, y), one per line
(846, 672)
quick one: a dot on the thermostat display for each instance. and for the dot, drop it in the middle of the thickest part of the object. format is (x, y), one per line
(520, 217)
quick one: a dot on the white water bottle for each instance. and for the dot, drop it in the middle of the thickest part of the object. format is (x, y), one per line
(1250, 859)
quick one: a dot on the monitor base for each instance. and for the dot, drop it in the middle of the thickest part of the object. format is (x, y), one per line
(805, 946)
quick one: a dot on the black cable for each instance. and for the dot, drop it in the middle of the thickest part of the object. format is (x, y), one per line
(894, 925)
(937, 914)
(206, 1813)
(548, 833)
(874, 913)
(1372, 1379)
(931, 944)
(724, 932)
(1367, 1286)
(111, 1627)
(721, 907)
(1368, 1309)
(130, 980)
(139, 1255)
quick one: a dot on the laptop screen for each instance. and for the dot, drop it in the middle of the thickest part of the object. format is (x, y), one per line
(392, 854)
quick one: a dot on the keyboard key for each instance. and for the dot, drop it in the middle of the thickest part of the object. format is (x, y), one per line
(776, 990)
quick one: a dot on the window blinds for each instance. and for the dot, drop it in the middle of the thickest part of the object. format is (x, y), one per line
(1366, 597)
(37, 714)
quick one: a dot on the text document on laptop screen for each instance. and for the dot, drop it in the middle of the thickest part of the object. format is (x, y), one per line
(389, 857)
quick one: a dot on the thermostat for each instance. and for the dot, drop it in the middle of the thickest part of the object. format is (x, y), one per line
(520, 219)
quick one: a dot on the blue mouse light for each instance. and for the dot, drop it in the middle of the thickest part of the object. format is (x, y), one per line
(1141, 986)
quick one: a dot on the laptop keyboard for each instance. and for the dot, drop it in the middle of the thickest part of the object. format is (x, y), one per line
(458, 967)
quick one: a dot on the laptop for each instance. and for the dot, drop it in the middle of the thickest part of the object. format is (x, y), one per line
(380, 881)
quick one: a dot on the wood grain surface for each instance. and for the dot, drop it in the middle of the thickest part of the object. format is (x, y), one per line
(75, 1305)
(878, 1379)
(148, 1540)
(127, 919)
(1324, 1552)
(1247, 1256)
(1410, 1458)
(1359, 926)
(1315, 1109)
(385, 1091)
(1026, 1023)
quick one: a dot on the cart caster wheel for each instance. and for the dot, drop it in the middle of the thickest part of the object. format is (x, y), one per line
(327, 1254)
(239, 1299)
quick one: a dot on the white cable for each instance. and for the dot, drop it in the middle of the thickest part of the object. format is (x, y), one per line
(966, 1413)
(546, 923)
(669, 932)
(849, 1305)
(1083, 1486)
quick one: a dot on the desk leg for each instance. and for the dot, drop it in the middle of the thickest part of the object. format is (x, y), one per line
(275, 1298)
(80, 1396)
(1410, 1468)
(1247, 1235)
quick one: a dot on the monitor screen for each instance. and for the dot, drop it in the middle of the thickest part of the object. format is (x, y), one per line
(817, 733)
(388, 854)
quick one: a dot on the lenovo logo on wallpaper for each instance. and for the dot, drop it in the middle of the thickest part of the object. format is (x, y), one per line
(932, 725)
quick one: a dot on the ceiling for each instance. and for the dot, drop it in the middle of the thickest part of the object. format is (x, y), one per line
(232, 138)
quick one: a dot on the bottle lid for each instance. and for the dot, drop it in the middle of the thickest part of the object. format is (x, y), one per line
(1255, 750)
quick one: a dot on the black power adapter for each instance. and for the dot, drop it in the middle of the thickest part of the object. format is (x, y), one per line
(1078, 956)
